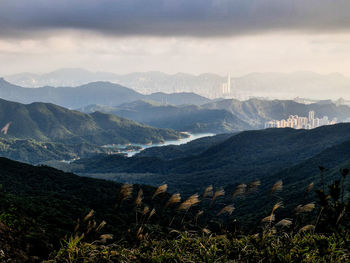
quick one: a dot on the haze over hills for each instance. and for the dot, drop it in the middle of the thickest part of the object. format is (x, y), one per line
(220, 116)
(104, 93)
(257, 111)
(269, 84)
(52, 123)
(189, 118)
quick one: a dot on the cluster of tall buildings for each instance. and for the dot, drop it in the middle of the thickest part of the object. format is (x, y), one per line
(297, 122)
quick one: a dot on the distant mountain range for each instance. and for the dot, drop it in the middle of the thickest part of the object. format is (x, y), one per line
(51, 123)
(257, 111)
(220, 116)
(274, 85)
(189, 118)
(104, 93)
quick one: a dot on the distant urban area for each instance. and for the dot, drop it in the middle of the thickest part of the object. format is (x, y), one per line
(297, 122)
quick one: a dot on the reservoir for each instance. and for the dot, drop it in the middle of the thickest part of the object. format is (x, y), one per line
(141, 147)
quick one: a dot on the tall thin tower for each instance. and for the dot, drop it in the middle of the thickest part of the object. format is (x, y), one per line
(229, 84)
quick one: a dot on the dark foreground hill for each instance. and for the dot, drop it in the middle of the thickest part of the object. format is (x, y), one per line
(39, 207)
(49, 122)
(268, 156)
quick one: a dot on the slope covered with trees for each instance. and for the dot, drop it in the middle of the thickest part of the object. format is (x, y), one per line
(49, 122)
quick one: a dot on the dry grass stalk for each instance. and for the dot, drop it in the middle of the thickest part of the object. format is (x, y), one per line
(341, 215)
(174, 199)
(307, 228)
(160, 190)
(276, 206)
(89, 215)
(208, 191)
(76, 227)
(305, 208)
(138, 200)
(139, 231)
(309, 188)
(153, 211)
(217, 194)
(253, 186)
(200, 212)
(206, 231)
(125, 192)
(227, 209)
(101, 225)
(277, 187)
(268, 219)
(191, 201)
(284, 223)
(240, 190)
(145, 210)
(105, 237)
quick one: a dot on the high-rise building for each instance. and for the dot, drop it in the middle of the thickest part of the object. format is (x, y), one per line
(228, 84)
(311, 115)
(226, 87)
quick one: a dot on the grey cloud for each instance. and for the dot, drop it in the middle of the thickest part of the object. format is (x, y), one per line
(201, 18)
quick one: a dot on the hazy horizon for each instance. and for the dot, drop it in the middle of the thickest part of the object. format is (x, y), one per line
(232, 74)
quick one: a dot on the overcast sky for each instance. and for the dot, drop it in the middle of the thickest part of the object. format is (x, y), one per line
(194, 36)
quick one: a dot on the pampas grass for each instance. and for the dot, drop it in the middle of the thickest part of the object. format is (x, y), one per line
(217, 194)
(208, 191)
(227, 209)
(138, 200)
(125, 192)
(240, 190)
(89, 215)
(253, 186)
(307, 228)
(191, 201)
(305, 208)
(277, 187)
(160, 190)
(174, 199)
(284, 223)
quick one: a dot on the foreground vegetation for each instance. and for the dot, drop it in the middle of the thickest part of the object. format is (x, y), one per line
(131, 223)
(324, 238)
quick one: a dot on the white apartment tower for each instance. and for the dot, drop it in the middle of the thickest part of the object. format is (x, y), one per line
(226, 87)
(311, 115)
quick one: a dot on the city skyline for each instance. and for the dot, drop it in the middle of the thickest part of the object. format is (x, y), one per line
(297, 122)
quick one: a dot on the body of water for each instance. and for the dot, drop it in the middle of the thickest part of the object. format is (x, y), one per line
(173, 142)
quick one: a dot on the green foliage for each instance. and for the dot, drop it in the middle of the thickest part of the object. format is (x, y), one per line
(46, 122)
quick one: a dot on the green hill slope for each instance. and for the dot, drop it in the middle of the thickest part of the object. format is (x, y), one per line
(49, 122)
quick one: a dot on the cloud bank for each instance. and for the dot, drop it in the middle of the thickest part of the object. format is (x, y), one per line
(198, 18)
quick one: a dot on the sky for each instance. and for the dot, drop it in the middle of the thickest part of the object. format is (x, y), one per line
(192, 36)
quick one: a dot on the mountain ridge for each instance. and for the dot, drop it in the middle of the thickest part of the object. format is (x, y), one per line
(49, 122)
